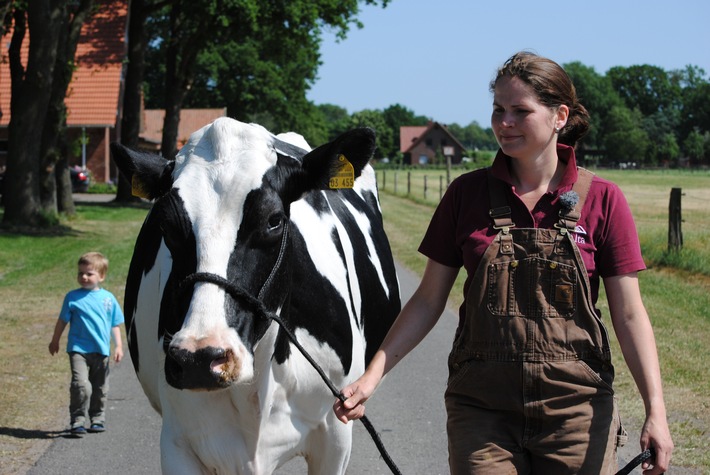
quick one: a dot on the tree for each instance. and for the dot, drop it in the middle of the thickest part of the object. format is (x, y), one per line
(695, 109)
(694, 146)
(31, 91)
(375, 120)
(596, 93)
(336, 120)
(474, 137)
(648, 88)
(625, 141)
(55, 183)
(260, 57)
(138, 38)
(396, 116)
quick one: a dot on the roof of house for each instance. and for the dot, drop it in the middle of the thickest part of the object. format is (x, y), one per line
(95, 90)
(410, 136)
(190, 121)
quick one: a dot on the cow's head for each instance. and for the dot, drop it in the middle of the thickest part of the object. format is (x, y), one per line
(221, 209)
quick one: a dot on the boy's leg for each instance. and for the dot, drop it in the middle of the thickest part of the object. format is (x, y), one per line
(79, 389)
(98, 376)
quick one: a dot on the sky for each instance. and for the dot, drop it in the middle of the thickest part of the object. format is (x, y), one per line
(437, 57)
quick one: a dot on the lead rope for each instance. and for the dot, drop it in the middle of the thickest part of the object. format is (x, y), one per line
(256, 306)
(636, 461)
(259, 309)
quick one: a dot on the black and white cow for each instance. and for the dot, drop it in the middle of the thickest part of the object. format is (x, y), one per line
(242, 209)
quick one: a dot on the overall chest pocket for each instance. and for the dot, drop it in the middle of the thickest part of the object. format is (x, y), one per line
(532, 287)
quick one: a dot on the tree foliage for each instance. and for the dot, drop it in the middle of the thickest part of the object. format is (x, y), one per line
(257, 58)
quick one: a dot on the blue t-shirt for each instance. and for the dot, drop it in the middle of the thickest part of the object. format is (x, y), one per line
(90, 314)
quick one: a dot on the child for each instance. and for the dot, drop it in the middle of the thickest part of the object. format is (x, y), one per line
(93, 314)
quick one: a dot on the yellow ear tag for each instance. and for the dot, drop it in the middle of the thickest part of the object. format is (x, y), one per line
(345, 175)
(137, 188)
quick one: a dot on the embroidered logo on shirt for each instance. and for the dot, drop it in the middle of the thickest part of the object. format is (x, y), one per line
(579, 233)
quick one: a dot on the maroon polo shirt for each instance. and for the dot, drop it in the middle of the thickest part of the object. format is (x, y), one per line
(461, 229)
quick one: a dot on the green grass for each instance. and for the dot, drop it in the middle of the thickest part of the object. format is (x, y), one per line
(35, 273)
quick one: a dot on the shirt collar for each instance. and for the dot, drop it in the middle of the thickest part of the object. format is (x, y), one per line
(501, 166)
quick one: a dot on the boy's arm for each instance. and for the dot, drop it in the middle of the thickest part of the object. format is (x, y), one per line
(118, 356)
(58, 330)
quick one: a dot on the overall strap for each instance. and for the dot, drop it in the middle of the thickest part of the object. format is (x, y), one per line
(570, 214)
(500, 210)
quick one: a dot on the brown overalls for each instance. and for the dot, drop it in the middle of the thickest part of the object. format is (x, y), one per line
(530, 385)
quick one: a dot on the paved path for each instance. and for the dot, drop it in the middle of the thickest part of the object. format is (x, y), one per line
(407, 411)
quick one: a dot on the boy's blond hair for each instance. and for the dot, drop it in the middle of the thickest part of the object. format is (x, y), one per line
(96, 260)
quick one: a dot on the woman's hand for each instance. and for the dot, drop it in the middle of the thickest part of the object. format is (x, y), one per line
(356, 395)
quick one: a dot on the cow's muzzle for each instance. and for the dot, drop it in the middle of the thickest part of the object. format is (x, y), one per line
(208, 368)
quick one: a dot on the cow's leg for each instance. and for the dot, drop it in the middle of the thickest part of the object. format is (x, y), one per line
(176, 459)
(329, 448)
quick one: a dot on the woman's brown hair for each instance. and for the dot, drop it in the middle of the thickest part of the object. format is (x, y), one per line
(553, 88)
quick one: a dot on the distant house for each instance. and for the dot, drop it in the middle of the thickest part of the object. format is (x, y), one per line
(190, 120)
(422, 145)
(94, 96)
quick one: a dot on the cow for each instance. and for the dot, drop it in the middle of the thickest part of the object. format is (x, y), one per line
(246, 224)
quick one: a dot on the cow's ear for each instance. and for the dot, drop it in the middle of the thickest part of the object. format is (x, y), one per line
(150, 175)
(338, 163)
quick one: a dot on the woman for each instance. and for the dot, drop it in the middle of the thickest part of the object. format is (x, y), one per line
(530, 383)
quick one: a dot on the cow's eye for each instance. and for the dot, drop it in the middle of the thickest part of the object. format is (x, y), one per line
(274, 223)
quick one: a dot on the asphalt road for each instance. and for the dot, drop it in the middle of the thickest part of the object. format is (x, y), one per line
(407, 411)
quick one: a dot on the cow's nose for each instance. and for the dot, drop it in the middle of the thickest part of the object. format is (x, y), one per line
(206, 368)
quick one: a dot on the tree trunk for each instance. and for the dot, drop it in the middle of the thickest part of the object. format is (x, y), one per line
(54, 132)
(31, 88)
(133, 87)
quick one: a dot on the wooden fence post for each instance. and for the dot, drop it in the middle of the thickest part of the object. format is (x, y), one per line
(409, 183)
(395, 183)
(675, 234)
(425, 187)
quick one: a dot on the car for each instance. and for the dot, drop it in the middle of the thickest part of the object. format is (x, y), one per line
(80, 180)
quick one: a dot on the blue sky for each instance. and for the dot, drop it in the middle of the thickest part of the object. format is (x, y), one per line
(437, 57)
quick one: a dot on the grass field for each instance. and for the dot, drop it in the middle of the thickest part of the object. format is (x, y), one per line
(36, 271)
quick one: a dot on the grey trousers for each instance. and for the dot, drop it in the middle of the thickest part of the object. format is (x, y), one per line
(89, 387)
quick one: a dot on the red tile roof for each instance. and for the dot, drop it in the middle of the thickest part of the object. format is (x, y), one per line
(190, 121)
(409, 134)
(95, 90)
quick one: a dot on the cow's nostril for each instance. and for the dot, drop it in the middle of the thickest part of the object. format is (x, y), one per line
(218, 363)
(206, 368)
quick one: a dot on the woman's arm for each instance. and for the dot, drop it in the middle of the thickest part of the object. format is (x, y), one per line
(414, 322)
(638, 345)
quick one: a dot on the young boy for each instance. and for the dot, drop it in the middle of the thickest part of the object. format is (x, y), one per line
(93, 314)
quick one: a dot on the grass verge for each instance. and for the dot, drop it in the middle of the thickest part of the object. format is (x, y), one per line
(36, 271)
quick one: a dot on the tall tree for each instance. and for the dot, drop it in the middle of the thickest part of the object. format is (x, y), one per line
(55, 183)
(648, 88)
(138, 39)
(31, 91)
(596, 93)
(625, 140)
(261, 57)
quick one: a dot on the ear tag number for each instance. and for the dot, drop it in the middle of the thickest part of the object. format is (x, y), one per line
(344, 176)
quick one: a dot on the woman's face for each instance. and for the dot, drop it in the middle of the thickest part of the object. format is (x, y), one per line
(524, 127)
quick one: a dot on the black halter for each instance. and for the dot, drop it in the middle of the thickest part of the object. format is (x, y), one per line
(256, 305)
